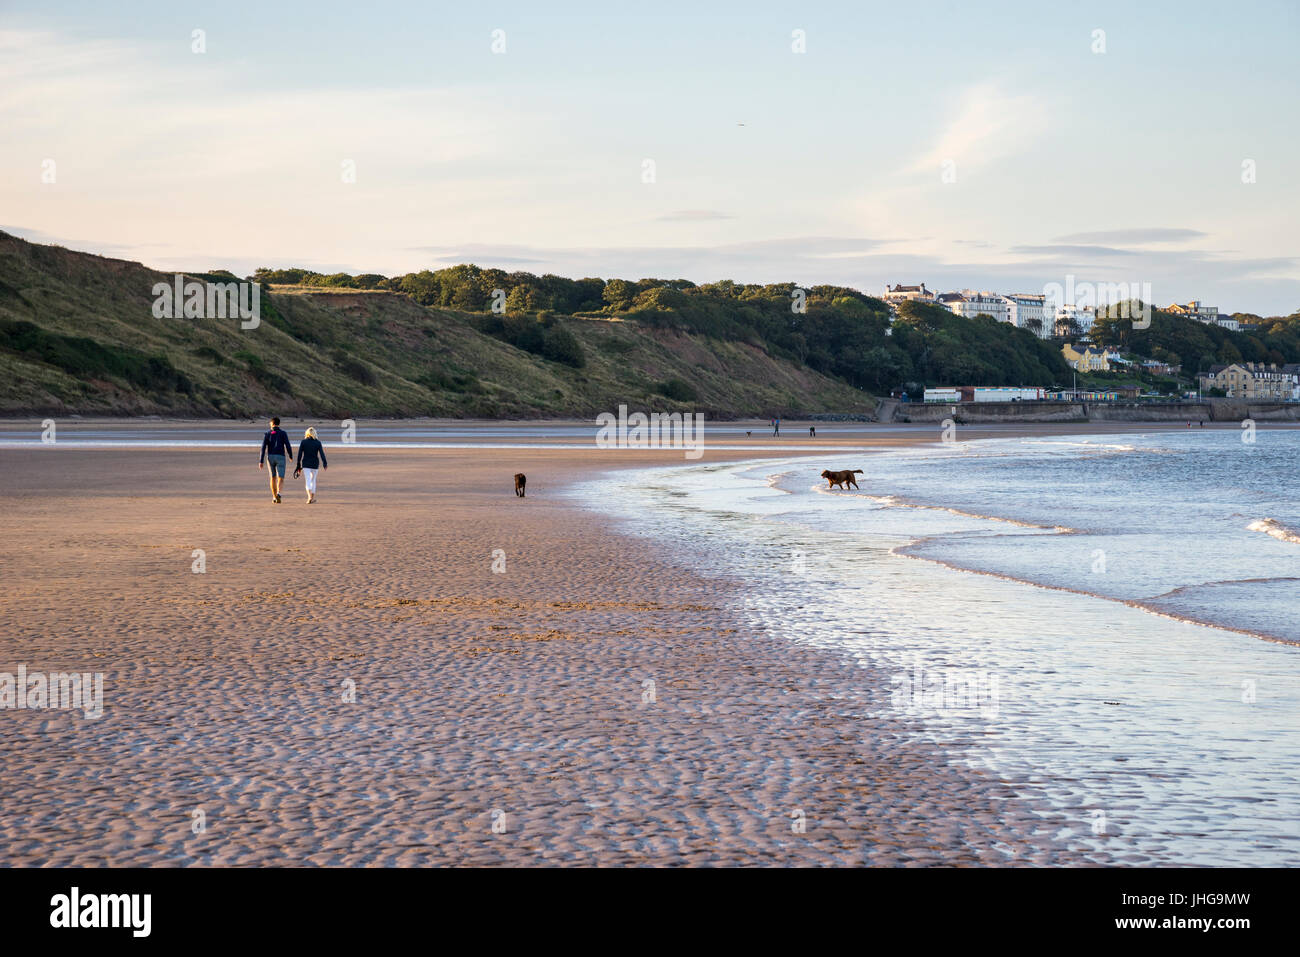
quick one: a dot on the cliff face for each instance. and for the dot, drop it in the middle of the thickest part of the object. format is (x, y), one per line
(79, 334)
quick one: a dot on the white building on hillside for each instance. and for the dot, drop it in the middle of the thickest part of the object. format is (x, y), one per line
(1024, 308)
(970, 304)
(900, 293)
(1083, 315)
(1202, 313)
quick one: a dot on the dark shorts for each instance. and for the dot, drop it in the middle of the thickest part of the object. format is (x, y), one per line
(276, 464)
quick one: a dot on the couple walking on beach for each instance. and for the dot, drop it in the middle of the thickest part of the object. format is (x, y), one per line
(276, 449)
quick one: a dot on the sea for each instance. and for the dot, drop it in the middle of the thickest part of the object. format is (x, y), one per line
(1107, 622)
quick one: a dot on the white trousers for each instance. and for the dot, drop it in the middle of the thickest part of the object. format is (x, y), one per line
(309, 476)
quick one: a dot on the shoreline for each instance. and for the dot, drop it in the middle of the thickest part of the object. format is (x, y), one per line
(1087, 687)
(903, 551)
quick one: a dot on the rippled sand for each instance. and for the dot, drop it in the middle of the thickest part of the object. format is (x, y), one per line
(522, 692)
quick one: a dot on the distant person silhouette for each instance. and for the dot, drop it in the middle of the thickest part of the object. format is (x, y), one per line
(776, 427)
(812, 431)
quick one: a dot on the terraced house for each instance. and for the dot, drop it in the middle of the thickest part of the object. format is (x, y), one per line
(1251, 380)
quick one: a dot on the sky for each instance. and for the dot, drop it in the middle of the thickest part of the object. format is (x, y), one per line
(1003, 146)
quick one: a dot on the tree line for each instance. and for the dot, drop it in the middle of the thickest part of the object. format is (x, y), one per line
(835, 330)
(1198, 345)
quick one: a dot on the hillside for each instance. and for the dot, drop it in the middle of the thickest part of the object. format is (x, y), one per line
(78, 334)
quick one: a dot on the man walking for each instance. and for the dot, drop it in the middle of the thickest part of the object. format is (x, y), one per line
(275, 448)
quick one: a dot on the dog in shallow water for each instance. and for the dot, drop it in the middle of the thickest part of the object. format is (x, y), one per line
(520, 481)
(843, 478)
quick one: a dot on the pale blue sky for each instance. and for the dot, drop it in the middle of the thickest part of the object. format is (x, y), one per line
(1117, 166)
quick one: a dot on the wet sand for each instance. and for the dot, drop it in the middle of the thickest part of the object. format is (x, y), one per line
(517, 698)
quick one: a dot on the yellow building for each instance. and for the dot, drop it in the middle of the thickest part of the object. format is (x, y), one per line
(1085, 361)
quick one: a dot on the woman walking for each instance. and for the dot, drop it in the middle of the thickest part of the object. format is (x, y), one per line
(311, 456)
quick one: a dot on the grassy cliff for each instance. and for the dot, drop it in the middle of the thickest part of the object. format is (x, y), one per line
(78, 334)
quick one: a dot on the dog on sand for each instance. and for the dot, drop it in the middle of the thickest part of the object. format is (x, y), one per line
(843, 478)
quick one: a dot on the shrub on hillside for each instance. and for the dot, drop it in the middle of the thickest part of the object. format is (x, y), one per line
(677, 389)
(83, 357)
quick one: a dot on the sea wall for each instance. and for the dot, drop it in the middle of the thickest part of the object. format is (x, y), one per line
(1202, 410)
(1273, 411)
(991, 412)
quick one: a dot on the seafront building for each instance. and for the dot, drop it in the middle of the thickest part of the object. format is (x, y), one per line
(1292, 371)
(1253, 380)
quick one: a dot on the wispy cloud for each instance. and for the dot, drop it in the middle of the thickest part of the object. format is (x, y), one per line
(692, 216)
(481, 255)
(1137, 236)
(1067, 249)
(987, 125)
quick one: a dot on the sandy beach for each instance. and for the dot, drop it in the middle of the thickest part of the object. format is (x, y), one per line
(500, 716)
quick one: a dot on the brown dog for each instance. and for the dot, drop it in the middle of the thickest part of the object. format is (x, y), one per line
(520, 482)
(842, 478)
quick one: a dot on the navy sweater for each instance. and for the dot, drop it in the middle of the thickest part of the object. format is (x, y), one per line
(275, 442)
(308, 450)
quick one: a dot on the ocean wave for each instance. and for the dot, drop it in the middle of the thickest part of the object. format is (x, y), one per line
(1275, 528)
(773, 480)
(821, 489)
(1086, 444)
(893, 501)
(1150, 606)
